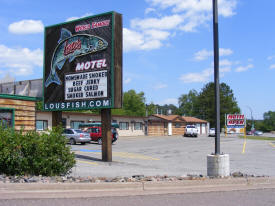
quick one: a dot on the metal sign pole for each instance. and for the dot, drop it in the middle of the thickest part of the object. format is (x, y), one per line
(216, 75)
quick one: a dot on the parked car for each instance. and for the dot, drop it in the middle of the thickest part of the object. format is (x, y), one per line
(191, 130)
(258, 133)
(212, 132)
(96, 134)
(249, 132)
(76, 136)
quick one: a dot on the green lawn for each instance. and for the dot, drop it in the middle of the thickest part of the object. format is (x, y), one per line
(258, 138)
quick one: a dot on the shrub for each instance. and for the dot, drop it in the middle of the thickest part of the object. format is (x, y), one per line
(34, 154)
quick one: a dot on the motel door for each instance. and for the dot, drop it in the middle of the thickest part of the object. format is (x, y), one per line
(199, 128)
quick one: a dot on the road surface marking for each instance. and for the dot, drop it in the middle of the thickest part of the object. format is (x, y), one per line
(87, 162)
(244, 144)
(271, 144)
(122, 154)
(133, 156)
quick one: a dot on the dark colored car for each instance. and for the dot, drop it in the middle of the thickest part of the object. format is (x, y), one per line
(76, 136)
(249, 132)
(96, 134)
(258, 133)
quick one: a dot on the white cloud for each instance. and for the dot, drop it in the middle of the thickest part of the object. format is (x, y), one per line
(204, 76)
(26, 27)
(202, 55)
(149, 10)
(78, 17)
(157, 34)
(127, 80)
(186, 15)
(180, 15)
(147, 40)
(160, 86)
(226, 7)
(271, 57)
(225, 62)
(132, 40)
(163, 23)
(244, 68)
(225, 52)
(205, 54)
(272, 66)
(20, 61)
(225, 69)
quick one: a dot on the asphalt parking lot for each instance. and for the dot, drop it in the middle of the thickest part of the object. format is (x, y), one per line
(173, 156)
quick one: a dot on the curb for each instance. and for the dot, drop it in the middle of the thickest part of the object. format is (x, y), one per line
(85, 190)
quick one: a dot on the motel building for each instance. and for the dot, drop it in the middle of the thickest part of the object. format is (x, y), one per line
(18, 110)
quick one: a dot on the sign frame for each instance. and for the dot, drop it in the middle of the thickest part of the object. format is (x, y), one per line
(114, 79)
(240, 117)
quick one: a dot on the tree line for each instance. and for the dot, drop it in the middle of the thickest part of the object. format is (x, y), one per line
(265, 125)
(196, 104)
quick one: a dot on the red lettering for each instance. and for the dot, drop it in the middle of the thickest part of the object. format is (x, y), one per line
(100, 24)
(70, 48)
(82, 27)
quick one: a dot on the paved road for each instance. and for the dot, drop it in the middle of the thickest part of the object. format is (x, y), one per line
(173, 155)
(232, 198)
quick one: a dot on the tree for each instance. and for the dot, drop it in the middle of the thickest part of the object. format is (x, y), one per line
(133, 104)
(269, 121)
(151, 109)
(202, 105)
(206, 103)
(188, 103)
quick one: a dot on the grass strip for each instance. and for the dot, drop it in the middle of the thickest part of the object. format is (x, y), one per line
(258, 138)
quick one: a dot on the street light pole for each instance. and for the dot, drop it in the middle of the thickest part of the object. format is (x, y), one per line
(218, 165)
(216, 75)
(252, 126)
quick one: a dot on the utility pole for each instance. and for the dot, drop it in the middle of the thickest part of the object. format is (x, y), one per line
(217, 164)
(252, 126)
(216, 75)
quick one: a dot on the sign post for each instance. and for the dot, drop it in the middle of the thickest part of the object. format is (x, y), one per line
(83, 69)
(106, 135)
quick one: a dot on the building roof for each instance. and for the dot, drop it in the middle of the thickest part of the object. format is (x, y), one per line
(178, 118)
(193, 120)
(166, 117)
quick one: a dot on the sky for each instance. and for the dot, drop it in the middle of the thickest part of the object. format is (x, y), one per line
(167, 45)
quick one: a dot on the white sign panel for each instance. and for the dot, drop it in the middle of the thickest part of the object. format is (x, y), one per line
(89, 85)
(235, 120)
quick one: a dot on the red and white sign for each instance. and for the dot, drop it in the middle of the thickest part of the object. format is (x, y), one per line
(235, 120)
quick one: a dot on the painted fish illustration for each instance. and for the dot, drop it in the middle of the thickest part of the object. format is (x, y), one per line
(72, 46)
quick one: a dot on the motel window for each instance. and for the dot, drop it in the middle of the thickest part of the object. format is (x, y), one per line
(6, 117)
(138, 126)
(64, 122)
(124, 125)
(178, 125)
(41, 125)
(75, 124)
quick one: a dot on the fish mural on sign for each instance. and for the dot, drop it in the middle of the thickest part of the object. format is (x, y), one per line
(72, 46)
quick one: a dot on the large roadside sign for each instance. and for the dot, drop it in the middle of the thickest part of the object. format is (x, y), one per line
(83, 64)
(235, 120)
